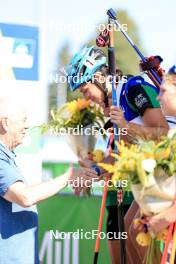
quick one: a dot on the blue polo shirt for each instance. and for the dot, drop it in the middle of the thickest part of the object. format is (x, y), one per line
(18, 225)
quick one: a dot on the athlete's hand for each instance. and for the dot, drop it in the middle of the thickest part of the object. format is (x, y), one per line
(117, 117)
(162, 220)
(87, 163)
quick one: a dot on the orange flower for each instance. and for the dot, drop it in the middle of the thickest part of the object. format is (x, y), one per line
(164, 154)
(82, 103)
(149, 155)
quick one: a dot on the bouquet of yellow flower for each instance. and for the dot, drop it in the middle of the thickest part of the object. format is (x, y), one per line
(75, 114)
(79, 121)
(150, 169)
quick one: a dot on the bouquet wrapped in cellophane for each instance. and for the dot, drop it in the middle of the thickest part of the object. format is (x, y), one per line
(150, 169)
(78, 120)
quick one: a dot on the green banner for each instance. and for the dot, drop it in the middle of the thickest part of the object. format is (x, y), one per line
(60, 215)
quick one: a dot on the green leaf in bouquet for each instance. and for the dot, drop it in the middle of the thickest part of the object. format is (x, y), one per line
(87, 118)
(134, 179)
(163, 144)
(97, 125)
(153, 255)
(52, 113)
(159, 171)
(101, 117)
(44, 128)
(147, 145)
(172, 168)
(148, 148)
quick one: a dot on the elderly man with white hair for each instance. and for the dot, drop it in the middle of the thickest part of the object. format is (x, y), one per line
(18, 214)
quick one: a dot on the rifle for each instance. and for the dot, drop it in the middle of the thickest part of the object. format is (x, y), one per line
(112, 70)
(153, 72)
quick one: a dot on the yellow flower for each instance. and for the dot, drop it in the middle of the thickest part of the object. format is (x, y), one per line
(116, 156)
(82, 103)
(72, 106)
(136, 221)
(132, 165)
(98, 155)
(109, 168)
(116, 176)
(143, 239)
